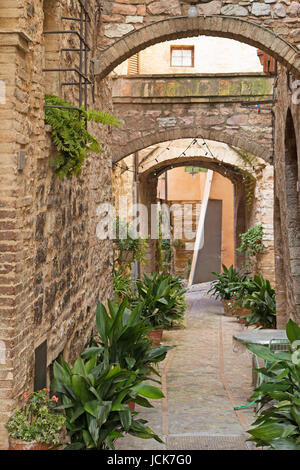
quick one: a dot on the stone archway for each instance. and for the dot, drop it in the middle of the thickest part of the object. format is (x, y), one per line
(156, 160)
(242, 30)
(165, 135)
(218, 107)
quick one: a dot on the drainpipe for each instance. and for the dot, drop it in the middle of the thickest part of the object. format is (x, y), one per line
(199, 243)
(166, 187)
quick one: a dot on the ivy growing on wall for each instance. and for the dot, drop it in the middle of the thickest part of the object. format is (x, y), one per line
(248, 161)
(251, 241)
(70, 136)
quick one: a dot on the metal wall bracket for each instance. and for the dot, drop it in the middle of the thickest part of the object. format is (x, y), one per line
(21, 160)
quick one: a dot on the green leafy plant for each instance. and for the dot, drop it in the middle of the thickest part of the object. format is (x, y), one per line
(262, 302)
(278, 426)
(163, 299)
(123, 286)
(178, 243)
(69, 134)
(251, 242)
(123, 333)
(163, 248)
(188, 268)
(38, 420)
(95, 398)
(227, 284)
(166, 255)
(130, 244)
(248, 161)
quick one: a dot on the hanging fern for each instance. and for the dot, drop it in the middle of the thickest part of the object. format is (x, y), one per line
(70, 135)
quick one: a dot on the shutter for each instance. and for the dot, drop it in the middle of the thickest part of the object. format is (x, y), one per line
(134, 64)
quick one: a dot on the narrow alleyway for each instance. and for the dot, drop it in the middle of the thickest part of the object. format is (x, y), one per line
(203, 379)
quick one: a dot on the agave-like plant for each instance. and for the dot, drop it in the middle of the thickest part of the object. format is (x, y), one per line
(227, 284)
(122, 332)
(262, 302)
(162, 296)
(95, 398)
(278, 425)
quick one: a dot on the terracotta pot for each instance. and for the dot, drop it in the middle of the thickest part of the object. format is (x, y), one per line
(242, 312)
(18, 444)
(227, 310)
(131, 405)
(156, 336)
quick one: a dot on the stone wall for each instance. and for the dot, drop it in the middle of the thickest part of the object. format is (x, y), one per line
(262, 212)
(158, 108)
(287, 220)
(52, 266)
(130, 27)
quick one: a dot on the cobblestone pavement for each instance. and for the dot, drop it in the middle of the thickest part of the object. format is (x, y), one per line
(202, 379)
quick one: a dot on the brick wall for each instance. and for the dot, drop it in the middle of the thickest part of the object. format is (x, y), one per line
(287, 220)
(52, 266)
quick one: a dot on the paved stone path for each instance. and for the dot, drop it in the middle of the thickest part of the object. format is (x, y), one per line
(202, 379)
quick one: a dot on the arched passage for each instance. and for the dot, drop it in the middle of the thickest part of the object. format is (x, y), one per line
(191, 132)
(156, 160)
(183, 202)
(209, 25)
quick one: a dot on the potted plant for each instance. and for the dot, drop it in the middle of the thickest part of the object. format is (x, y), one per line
(95, 398)
(130, 247)
(278, 424)
(243, 287)
(226, 286)
(38, 425)
(122, 335)
(163, 299)
(262, 302)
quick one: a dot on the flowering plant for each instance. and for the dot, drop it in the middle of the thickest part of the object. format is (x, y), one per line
(38, 420)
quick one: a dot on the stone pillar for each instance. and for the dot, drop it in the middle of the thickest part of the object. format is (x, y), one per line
(147, 197)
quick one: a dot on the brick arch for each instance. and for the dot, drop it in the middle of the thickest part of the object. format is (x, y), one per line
(209, 25)
(191, 132)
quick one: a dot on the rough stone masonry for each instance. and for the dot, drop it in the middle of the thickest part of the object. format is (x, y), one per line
(52, 267)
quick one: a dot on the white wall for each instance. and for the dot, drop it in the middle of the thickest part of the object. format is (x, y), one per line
(212, 55)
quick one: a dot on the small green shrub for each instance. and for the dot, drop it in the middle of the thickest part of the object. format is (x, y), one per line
(123, 333)
(278, 426)
(123, 285)
(251, 242)
(163, 299)
(227, 284)
(38, 420)
(262, 301)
